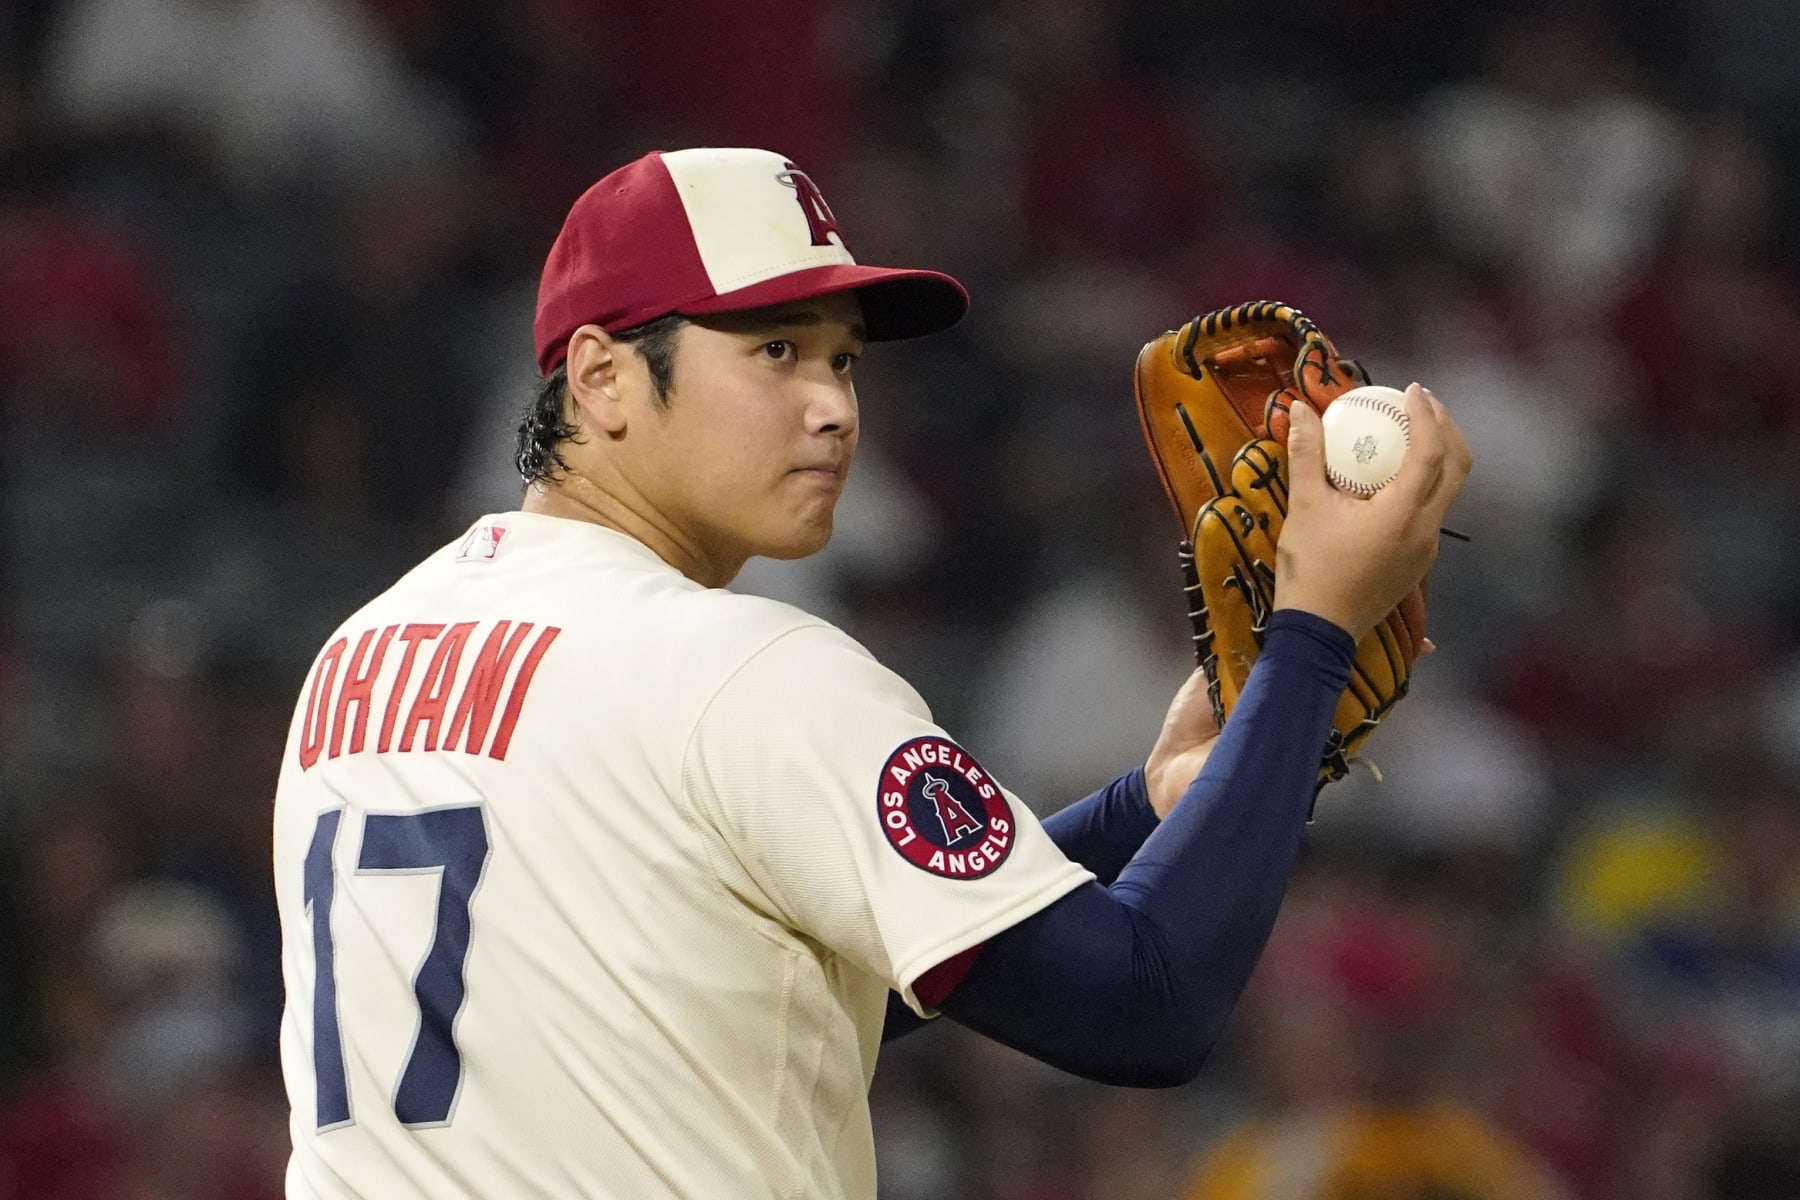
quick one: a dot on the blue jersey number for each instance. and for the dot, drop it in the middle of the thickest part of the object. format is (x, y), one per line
(452, 841)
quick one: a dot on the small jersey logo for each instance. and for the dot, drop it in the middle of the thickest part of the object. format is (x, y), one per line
(941, 811)
(480, 544)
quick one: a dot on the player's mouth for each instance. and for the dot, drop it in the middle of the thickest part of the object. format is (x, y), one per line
(829, 473)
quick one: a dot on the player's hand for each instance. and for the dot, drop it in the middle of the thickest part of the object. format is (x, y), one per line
(1188, 735)
(1348, 560)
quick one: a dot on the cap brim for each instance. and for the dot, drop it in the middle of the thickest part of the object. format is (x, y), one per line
(896, 303)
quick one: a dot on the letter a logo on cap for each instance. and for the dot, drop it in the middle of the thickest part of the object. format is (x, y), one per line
(812, 203)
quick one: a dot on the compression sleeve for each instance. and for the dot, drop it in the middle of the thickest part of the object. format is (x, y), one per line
(1131, 984)
(1101, 831)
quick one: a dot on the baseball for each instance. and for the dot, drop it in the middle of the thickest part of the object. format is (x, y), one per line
(1365, 438)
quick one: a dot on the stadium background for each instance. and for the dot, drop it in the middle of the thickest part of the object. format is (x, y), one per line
(266, 276)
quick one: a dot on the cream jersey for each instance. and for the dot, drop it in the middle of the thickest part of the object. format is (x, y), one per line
(593, 882)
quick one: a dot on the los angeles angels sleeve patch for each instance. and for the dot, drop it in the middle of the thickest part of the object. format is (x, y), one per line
(941, 811)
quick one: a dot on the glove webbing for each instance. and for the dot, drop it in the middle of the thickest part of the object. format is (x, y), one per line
(1315, 350)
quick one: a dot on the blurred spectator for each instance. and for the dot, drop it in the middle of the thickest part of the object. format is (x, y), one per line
(301, 93)
(366, 366)
(1700, 326)
(1341, 1021)
(1693, 905)
(65, 866)
(93, 377)
(1553, 165)
(1138, 186)
(1456, 774)
(1075, 695)
(157, 1107)
(718, 88)
(87, 341)
(204, 721)
(1724, 46)
(1539, 438)
(473, 47)
(354, 398)
(1722, 967)
(1632, 663)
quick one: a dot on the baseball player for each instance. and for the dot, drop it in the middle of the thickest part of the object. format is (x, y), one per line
(595, 878)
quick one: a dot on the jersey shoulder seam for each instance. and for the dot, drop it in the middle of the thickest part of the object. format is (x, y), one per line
(809, 623)
(704, 823)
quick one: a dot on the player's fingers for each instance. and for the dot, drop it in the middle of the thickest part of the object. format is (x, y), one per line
(1459, 460)
(1410, 615)
(1306, 453)
(1191, 710)
(1422, 470)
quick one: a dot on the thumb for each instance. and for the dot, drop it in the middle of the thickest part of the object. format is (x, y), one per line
(1306, 447)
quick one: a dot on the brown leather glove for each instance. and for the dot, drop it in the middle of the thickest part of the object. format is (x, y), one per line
(1213, 398)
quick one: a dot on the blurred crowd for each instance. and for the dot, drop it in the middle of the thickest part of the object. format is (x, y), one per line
(267, 270)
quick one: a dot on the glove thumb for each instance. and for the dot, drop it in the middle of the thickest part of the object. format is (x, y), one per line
(1306, 448)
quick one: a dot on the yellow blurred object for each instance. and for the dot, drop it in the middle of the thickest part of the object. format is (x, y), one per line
(1435, 1150)
(1621, 875)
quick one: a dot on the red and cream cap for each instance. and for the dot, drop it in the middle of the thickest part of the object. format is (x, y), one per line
(710, 231)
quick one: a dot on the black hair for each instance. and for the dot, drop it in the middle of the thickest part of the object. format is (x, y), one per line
(546, 425)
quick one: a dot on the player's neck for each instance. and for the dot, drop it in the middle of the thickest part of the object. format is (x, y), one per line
(574, 497)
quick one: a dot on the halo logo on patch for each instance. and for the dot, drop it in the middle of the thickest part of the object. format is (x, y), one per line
(940, 810)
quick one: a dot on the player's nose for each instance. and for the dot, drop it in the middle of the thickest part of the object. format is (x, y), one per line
(831, 407)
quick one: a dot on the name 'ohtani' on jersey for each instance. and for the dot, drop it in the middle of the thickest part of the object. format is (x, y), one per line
(443, 708)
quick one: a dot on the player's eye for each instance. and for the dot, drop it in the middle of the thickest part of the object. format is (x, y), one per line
(781, 349)
(843, 362)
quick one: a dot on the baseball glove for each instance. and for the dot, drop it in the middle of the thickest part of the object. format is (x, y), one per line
(1213, 397)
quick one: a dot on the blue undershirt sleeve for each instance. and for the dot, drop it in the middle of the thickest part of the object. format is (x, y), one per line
(1132, 983)
(1104, 831)
(1101, 831)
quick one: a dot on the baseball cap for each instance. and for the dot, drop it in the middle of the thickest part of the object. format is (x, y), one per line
(717, 230)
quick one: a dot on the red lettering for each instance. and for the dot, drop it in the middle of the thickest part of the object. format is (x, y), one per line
(515, 700)
(434, 687)
(358, 686)
(318, 703)
(412, 635)
(475, 708)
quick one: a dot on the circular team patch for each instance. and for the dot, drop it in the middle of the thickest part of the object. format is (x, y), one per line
(941, 812)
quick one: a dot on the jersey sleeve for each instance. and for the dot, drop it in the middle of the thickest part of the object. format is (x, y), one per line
(845, 813)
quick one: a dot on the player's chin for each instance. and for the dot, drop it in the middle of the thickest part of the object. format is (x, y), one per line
(806, 535)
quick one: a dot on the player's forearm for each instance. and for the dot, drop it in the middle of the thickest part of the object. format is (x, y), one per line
(1103, 831)
(1132, 984)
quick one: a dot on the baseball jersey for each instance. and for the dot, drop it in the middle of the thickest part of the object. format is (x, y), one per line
(593, 882)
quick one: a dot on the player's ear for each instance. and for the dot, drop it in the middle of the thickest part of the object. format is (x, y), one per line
(595, 383)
